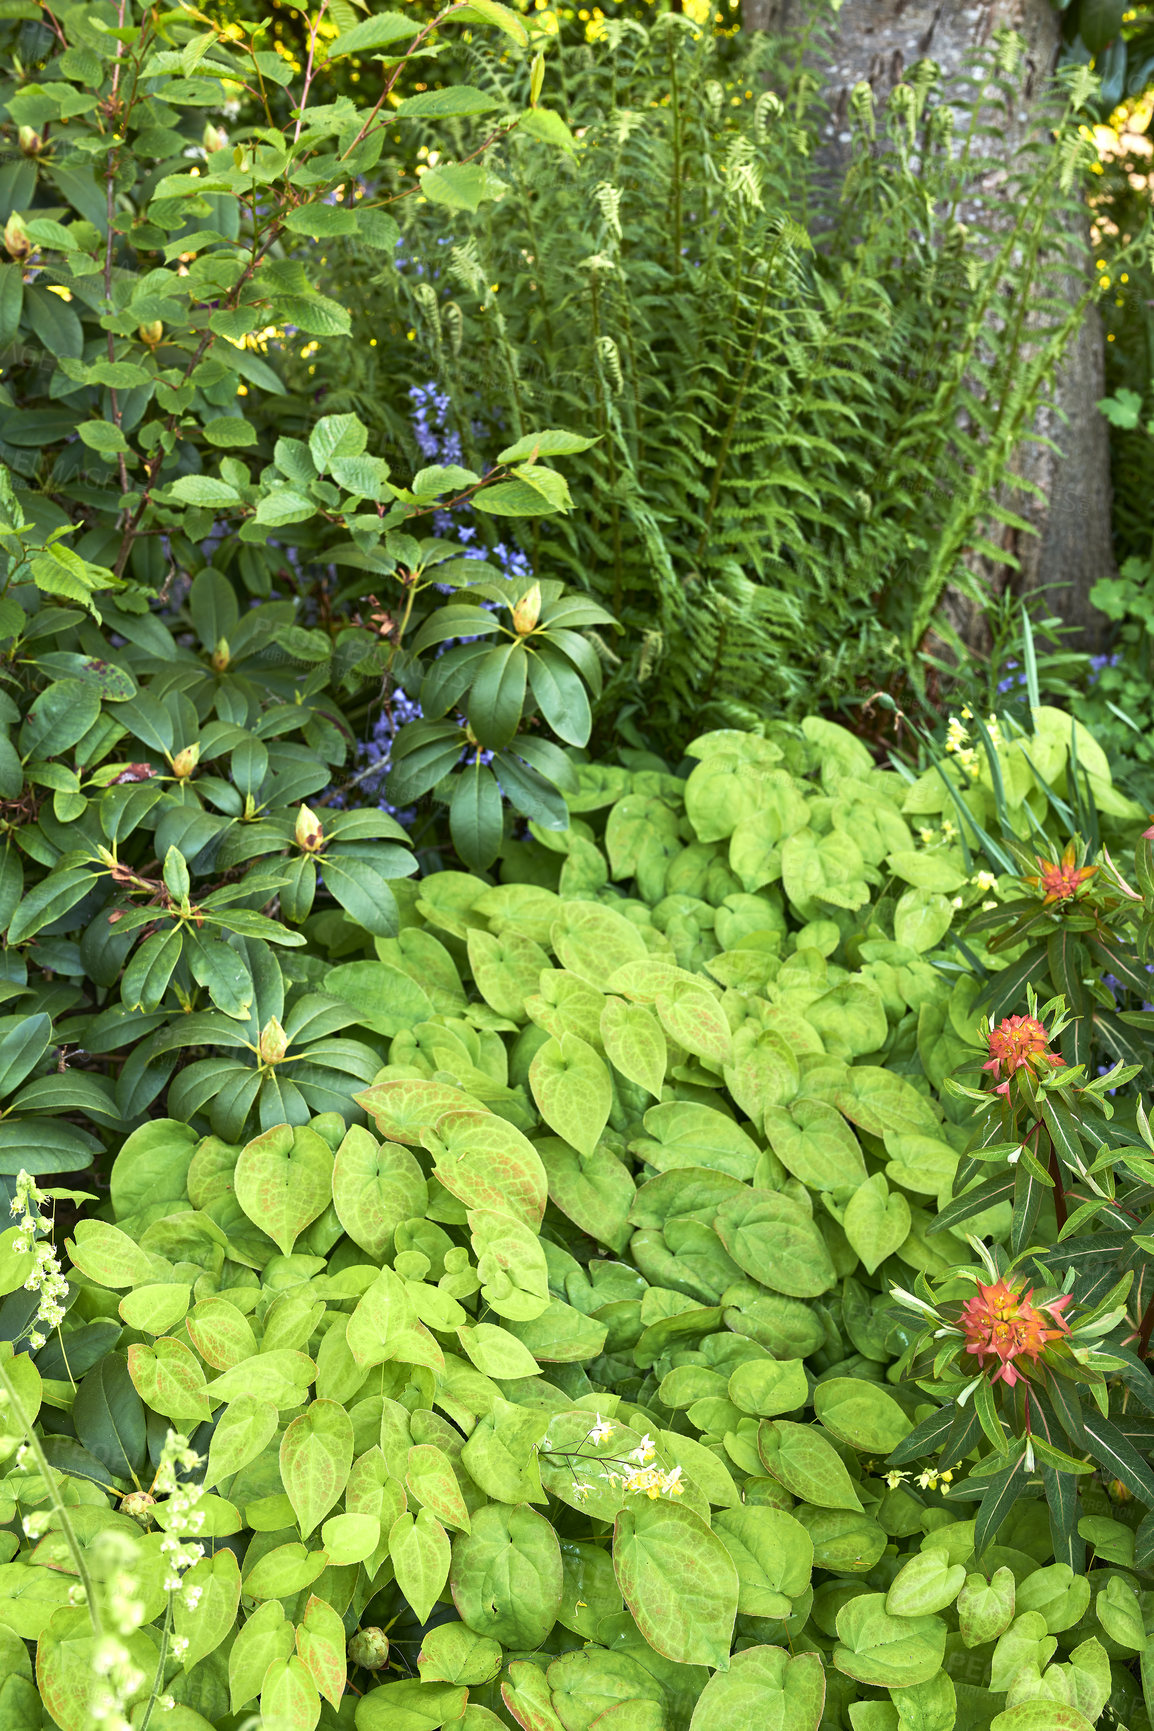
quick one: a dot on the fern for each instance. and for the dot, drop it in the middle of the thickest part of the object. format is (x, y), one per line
(807, 398)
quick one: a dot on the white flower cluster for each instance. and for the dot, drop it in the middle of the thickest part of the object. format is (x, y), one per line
(635, 1474)
(183, 1520)
(116, 1557)
(46, 1279)
(113, 1662)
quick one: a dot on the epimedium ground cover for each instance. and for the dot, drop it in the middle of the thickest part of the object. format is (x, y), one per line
(559, 1380)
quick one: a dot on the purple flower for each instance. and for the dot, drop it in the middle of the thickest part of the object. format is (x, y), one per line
(439, 443)
(435, 439)
(374, 755)
(1008, 684)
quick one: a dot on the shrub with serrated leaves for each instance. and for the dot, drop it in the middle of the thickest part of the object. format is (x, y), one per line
(567, 1385)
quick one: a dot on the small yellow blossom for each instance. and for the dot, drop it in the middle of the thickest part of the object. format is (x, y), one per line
(932, 1480)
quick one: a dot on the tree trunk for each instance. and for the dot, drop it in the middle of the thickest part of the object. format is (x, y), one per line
(876, 41)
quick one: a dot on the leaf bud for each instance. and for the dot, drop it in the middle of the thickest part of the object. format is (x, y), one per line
(369, 1648)
(16, 241)
(273, 1042)
(138, 1506)
(221, 656)
(527, 611)
(150, 334)
(185, 762)
(31, 142)
(213, 138)
(309, 834)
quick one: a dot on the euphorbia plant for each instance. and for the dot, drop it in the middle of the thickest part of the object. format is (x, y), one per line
(1035, 1121)
(1080, 921)
(1031, 1348)
(1015, 1362)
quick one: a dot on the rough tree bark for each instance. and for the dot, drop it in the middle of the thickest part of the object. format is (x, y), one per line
(877, 40)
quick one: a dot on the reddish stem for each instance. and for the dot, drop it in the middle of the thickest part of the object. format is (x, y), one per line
(1145, 1328)
(1060, 1209)
(1059, 1193)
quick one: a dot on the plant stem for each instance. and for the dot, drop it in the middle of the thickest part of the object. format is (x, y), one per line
(1060, 1210)
(678, 120)
(161, 1661)
(110, 243)
(1144, 1330)
(12, 1399)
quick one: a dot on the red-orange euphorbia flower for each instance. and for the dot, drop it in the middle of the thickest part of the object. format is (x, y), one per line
(1017, 1043)
(1061, 879)
(1001, 1323)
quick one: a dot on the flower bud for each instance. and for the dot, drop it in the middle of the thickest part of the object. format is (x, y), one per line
(31, 142)
(527, 611)
(221, 656)
(214, 138)
(369, 1648)
(308, 833)
(273, 1042)
(185, 762)
(138, 1506)
(150, 333)
(16, 241)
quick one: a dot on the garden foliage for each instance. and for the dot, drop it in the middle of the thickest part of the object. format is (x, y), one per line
(489, 1314)
(148, 446)
(805, 402)
(184, 661)
(1115, 700)
(568, 1383)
